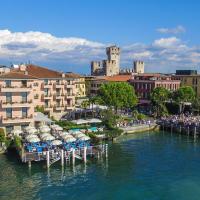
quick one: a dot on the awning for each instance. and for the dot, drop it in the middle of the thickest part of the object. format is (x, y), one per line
(80, 121)
(94, 120)
(40, 117)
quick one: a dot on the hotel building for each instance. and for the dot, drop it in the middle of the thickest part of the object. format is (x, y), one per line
(27, 87)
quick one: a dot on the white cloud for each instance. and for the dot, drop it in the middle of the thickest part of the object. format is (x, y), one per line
(164, 54)
(176, 30)
(167, 42)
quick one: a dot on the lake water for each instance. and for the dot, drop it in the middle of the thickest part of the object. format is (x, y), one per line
(155, 166)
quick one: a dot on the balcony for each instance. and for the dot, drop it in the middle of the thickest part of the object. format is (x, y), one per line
(48, 107)
(58, 96)
(23, 88)
(69, 107)
(69, 96)
(49, 86)
(69, 86)
(48, 96)
(16, 104)
(60, 107)
(17, 120)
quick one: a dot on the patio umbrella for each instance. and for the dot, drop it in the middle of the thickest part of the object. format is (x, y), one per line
(45, 135)
(48, 138)
(45, 129)
(16, 132)
(58, 128)
(32, 131)
(94, 120)
(84, 138)
(79, 135)
(29, 128)
(67, 136)
(64, 133)
(72, 139)
(56, 142)
(80, 121)
(31, 136)
(33, 140)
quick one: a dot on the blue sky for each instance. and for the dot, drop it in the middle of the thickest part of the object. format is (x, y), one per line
(68, 34)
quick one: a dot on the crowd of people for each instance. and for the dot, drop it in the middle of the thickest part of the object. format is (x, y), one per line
(183, 119)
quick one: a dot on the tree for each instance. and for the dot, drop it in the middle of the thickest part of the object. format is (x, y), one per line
(84, 105)
(182, 96)
(2, 136)
(196, 105)
(159, 96)
(118, 95)
(109, 119)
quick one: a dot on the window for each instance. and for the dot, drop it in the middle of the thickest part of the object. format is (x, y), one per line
(8, 83)
(45, 81)
(46, 91)
(9, 129)
(24, 126)
(24, 83)
(8, 112)
(24, 112)
(8, 97)
(24, 97)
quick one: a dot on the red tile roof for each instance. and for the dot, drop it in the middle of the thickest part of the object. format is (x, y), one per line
(16, 75)
(115, 78)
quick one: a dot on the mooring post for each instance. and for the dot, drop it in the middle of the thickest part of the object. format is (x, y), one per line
(73, 156)
(180, 128)
(195, 132)
(85, 154)
(48, 159)
(188, 130)
(106, 150)
(29, 164)
(62, 157)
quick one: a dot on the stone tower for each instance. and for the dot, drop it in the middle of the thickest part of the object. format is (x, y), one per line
(112, 64)
(95, 67)
(138, 67)
(108, 67)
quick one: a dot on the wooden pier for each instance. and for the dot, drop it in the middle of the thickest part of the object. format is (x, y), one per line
(64, 156)
(190, 130)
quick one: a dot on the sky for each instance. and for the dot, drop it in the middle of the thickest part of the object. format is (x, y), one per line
(67, 35)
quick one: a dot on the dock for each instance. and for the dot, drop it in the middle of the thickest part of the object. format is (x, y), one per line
(52, 156)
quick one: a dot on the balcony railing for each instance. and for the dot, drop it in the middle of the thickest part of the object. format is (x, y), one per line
(7, 104)
(5, 120)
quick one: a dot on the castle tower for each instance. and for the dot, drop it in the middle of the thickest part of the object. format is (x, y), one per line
(95, 67)
(112, 65)
(138, 67)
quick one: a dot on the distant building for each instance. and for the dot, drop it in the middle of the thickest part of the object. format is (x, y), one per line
(186, 72)
(95, 83)
(108, 67)
(189, 78)
(138, 67)
(4, 69)
(145, 83)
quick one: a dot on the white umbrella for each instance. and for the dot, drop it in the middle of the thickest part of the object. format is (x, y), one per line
(16, 132)
(56, 142)
(44, 126)
(67, 136)
(70, 139)
(45, 129)
(45, 135)
(32, 140)
(94, 120)
(79, 135)
(84, 138)
(29, 127)
(63, 134)
(48, 138)
(32, 131)
(80, 121)
(31, 136)
(58, 128)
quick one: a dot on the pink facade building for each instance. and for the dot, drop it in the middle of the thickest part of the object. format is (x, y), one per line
(145, 83)
(27, 87)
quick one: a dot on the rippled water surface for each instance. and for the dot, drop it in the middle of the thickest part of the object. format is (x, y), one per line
(155, 166)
